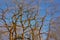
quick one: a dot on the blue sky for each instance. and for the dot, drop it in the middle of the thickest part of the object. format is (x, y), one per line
(42, 7)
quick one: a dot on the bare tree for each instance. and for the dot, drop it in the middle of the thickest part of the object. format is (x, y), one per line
(23, 20)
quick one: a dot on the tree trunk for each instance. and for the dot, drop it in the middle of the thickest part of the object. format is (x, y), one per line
(11, 36)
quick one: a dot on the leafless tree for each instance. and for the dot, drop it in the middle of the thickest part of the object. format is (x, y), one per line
(23, 20)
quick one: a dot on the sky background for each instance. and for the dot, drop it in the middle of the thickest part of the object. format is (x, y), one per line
(43, 5)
